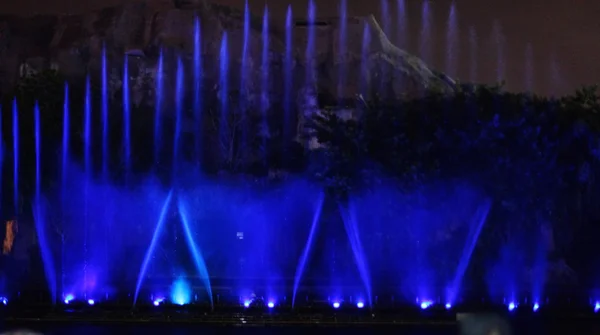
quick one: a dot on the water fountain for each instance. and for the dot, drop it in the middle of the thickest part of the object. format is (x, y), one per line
(264, 80)
(452, 37)
(287, 75)
(158, 105)
(402, 25)
(342, 48)
(179, 96)
(498, 43)
(15, 129)
(425, 34)
(126, 118)
(224, 94)
(197, 91)
(473, 55)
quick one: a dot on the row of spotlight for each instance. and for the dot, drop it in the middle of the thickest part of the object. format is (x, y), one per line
(511, 306)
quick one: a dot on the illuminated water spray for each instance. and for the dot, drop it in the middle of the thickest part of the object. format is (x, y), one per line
(179, 91)
(364, 73)
(244, 70)
(265, 71)
(473, 237)
(452, 38)
(196, 253)
(65, 146)
(425, 35)
(87, 139)
(198, 90)
(150, 251)
(307, 247)
(351, 226)
(224, 91)
(402, 23)
(287, 75)
(39, 216)
(15, 128)
(104, 115)
(342, 48)
(126, 118)
(472, 55)
(158, 105)
(385, 17)
(310, 46)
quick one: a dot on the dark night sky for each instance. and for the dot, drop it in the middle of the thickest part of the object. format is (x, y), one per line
(567, 31)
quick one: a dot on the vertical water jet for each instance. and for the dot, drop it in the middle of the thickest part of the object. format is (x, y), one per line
(244, 70)
(65, 145)
(104, 115)
(179, 96)
(87, 140)
(425, 35)
(365, 49)
(158, 104)
(310, 46)
(126, 119)
(452, 36)
(402, 25)
(498, 40)
(385, 17)
(342, 48)
(307, 247)
(264, 82)
(224, 94)
(39, 216)
(15, 126)
(198, 91)
(287, 75)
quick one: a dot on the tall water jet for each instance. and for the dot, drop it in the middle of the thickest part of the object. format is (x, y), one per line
(158, 104)
(196, 253)
(178, 116)
(342, 48)
(104, 115)
(197, 91)
(472, 238)
(65, 145)
(365, 49)
(310, 46)
(150, 251)
(402, 24)
(498, 40)
(39, 216)
(126, 119)
(307, 247)
(15, 126)
(87, 140)
(360, 259)
(287, 75)
(472, 55)
(244, 70)
(452, 37)
(265, 72)
(385, 17)
(425, 34)
(224, 92)
(529, 68)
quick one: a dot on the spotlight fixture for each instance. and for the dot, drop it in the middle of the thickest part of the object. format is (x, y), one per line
(91, 302)
(360, 304)
(536, 306)
(336, 305)
(271, 304)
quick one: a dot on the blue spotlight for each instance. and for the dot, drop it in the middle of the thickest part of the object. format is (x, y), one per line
(271, 304)
(4, 300)
(448, 306)
(68, 298)
(336, 305)
(536, 306)
(512, 306)
(597, 307)
(360, 304)
(247, 303)
(158, 301)
(91, 302)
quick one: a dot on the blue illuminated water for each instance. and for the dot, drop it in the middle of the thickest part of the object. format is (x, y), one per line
(425, 34)
(473, 55)
(310, 46)
(196, 252)
(105, 126)
(87, 140)
(365, 49)
(65, 145)
(307, 248)
(402, 24)
(342, 47)
(287, 75)
(385, 17)
(152, 246)
(179, 95)
(224, 93)
(126, 118)
(265, 72)
(498, 43)
(244, 72)
(197, 91)
(452, 40)
(158, 108)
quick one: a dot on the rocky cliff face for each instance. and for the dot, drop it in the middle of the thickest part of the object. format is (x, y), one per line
(73, 45)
